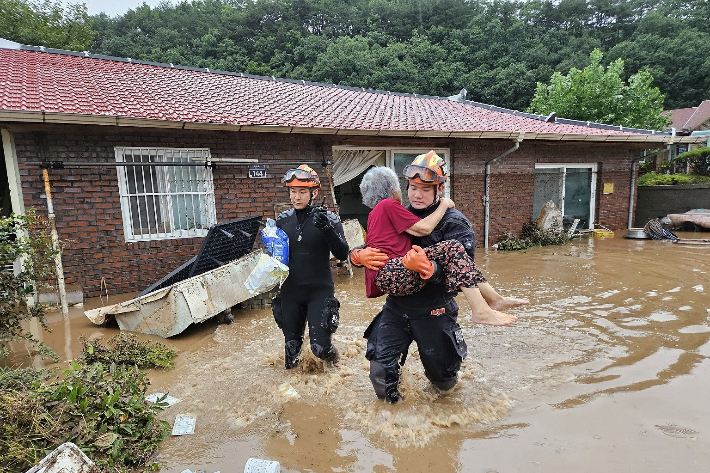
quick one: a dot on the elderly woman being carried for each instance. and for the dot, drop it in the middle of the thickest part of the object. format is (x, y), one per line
(390, 227)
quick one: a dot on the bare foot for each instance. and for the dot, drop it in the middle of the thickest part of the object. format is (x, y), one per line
(508, 303)
(492, 317)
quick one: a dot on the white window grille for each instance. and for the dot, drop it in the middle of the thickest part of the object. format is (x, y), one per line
(165, 202)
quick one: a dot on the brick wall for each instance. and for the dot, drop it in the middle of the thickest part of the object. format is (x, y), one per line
(88, 211)
(512, 181)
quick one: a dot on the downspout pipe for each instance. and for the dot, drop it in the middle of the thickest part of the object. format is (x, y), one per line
(487, 196)
(632, 190)
(40, 139)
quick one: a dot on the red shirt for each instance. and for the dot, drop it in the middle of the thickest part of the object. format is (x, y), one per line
(386, 231)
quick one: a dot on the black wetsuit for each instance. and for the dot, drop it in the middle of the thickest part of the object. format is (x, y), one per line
(308, 294)
(428, 317)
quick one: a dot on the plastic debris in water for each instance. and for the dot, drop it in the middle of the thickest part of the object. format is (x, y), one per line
(169, 400)
(288, 392)
(257, 465)
(66, 457)
(187, 470)
(184, 425)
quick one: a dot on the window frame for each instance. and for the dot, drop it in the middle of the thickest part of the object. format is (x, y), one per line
(593, 167)
(164, 197)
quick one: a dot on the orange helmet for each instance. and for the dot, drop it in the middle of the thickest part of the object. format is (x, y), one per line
(302, 176)
(426, 169)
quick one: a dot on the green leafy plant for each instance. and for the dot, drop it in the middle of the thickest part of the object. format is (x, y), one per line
(23, 238)
(22, 378)
(102, 410)
(125, 349)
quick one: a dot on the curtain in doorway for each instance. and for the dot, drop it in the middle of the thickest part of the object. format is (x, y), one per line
(349, 163)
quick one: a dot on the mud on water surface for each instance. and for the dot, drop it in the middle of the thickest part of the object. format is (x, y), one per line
(605, 370)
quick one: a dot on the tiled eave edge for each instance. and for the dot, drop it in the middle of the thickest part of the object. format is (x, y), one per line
(107, 120)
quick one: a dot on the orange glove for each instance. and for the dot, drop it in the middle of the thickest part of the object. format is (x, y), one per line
(416, 260)
(371, 258)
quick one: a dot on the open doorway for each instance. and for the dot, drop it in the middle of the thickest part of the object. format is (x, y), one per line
(348, 195)
(350, 165)
(5, 202)
(572, 188)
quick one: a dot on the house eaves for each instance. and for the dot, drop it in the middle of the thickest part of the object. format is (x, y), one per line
(39, 85)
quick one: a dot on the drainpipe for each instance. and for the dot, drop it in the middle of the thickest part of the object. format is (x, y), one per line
(487, 196)
(632, 193)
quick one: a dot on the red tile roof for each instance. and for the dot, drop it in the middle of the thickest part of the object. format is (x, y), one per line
(62, 86)
(699, 116)
(689, 119)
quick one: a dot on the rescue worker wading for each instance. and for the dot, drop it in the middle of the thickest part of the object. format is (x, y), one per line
(308, 294)
(429, 316)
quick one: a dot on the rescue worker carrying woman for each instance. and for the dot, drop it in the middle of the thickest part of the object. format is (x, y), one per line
(428, 317)
(308, 294)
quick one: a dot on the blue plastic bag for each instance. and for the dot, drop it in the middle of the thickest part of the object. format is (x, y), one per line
(275, 241)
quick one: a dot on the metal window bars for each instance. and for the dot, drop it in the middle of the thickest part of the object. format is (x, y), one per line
(161, 202)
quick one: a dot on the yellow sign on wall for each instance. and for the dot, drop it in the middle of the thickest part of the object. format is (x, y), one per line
(608, 188)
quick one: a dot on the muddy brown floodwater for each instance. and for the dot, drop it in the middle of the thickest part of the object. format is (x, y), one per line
(605, 370)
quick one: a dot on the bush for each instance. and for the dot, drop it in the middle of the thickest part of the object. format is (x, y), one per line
(659, 179)
(697, 159)
(102, 411)
(27, 237)
(532, 236)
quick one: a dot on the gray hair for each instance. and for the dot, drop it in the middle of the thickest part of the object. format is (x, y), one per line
(377, 184)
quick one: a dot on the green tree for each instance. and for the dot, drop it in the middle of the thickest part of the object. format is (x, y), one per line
(674, 53)
(46, 23)
(599, 94)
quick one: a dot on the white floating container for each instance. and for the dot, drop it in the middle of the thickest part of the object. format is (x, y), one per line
(170, 310)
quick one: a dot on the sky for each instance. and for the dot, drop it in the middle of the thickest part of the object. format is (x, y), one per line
(113, 7)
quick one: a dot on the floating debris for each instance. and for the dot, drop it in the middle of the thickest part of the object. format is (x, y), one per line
(184, 425)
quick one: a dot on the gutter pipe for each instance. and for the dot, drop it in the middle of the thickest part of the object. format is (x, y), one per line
(634, 169)
(487, 196)
(632, 193)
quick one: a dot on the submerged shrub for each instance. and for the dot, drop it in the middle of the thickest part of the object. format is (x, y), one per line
(125, 349)
(532, 236)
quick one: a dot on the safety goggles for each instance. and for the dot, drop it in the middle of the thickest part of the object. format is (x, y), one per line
(413, 171)
(298, 174)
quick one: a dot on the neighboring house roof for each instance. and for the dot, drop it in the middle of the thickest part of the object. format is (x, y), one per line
(690, 119)
(679, 116)
(56, 86)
